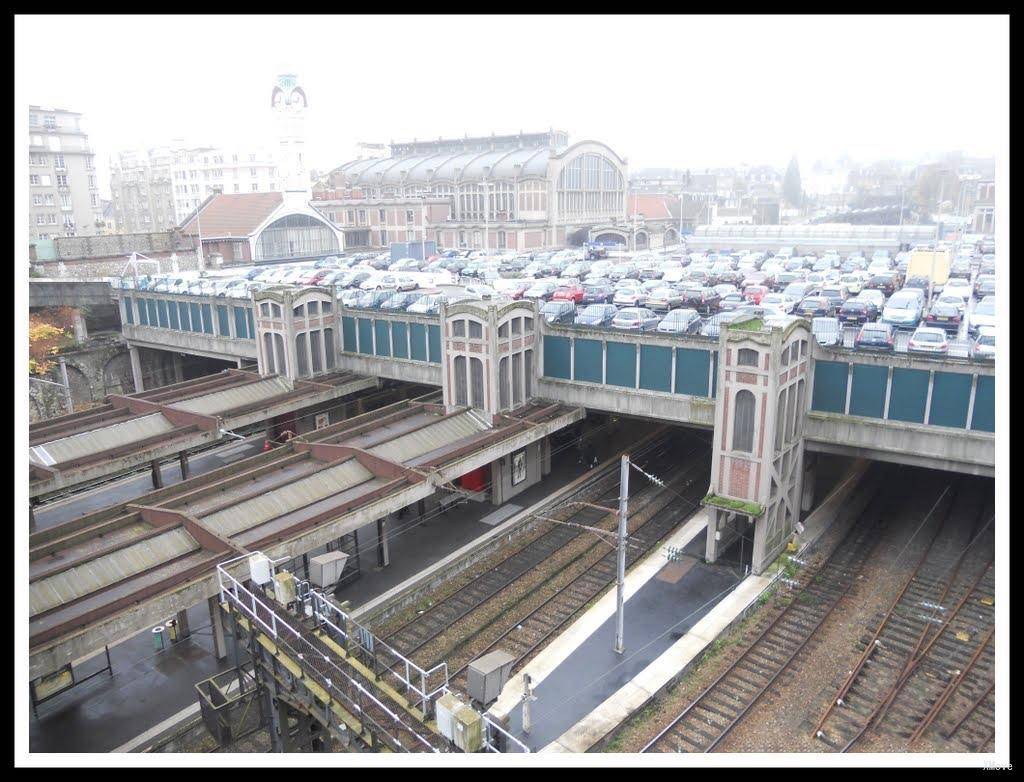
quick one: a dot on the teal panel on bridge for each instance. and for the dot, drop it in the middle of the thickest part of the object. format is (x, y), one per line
(400, 338)
(692, 368)
(207, 319)
(129, 314)
(588, 360)
(867, 396)
(348, 334)
(183, 310)
(656, 368)
(197, 318)
(434, 343)
(154, 319)
(951, 396)
(382, 330)
(365, 336)
(222, 322)
(621, 364)
(161, 311)
(172, 315)
(556, 357)
(830, 386)
(984, 417)
(241, 324)
(908, 395)
(417, 342)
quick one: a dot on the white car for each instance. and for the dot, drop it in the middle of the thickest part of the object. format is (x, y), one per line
(876, 297)
(958, 287)
(951, 298)
(983, 316)
(397, 282)
(928, 340)
(984, 347)
(778, 300)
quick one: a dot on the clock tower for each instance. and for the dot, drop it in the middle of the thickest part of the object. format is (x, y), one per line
(289, 105)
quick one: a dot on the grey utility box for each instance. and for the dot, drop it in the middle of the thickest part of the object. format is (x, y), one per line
(325, 569)
(488, 674)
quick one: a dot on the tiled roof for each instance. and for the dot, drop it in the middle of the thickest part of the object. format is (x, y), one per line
(651, 206)
(232, 214)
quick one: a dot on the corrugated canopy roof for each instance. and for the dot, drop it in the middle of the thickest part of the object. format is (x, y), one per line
(238, 396)
(406, 448)
(102, 439)
(286, 499)
(95, 574)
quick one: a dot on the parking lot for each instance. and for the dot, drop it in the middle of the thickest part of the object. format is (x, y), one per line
(669, 290)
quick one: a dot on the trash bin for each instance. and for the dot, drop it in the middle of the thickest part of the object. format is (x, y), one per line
(172, 630)
(158, 638)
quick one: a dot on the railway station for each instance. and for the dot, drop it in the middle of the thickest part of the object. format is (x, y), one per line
(741, 448)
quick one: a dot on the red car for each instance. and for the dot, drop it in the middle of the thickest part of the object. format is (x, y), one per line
(572, 293)
(754, 293)
(516, 291)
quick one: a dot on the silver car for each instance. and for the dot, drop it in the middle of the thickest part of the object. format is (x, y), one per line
(635, 319)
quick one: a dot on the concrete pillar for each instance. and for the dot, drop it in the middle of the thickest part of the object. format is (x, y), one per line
(240, 362)
(711, 546)
(183, 629)
(158, 478)
(545, 456)
(78, 323)
(179, 375)
(383, 557)
(497, 484)
(220, 647)
(133, 355)
(183, 464)
(807, 495)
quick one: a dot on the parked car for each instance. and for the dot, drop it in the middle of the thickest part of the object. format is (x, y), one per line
(904, 309)
(857, 312)
(779, 300)
(958, 287)
(599, 293)
(886, 283)
(984, 285)
(573, 293)
(836, 294)
(827, 331)
(754, 293)
(984, 315)
(800, 290)
(854, 282)
(628, 297)
(876, 297)
(395, 282)
(814, 307)
(540, 291)
(984, 346)
(663, 299)
(944, 315)
(731, 302)
(400, 300)
(955, 299)
(928, 340)
(875, 336)
(680, 321)
(596, 315)
(636, 319)
(704, 300)
(558, 312)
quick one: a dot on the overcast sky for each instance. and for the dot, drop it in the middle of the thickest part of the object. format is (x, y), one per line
(661, 91)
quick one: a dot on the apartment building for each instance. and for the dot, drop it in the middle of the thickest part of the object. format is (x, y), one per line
(63, 192)
(159, 188)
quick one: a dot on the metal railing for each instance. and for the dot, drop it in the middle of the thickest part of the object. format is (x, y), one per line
(319, 666)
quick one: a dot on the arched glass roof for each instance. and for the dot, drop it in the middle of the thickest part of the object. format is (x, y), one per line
(465, 166)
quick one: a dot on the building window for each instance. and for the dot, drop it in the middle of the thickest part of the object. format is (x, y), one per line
(382, 215)
(58, 161)
(459, 328)
(743, 422)
(409, 217)
(476, 330)
(268, 352)
(460, 381)
(476, 367)
(503, 383)
(517, 379)
(746, 357)
(301, 354)
(528, 371)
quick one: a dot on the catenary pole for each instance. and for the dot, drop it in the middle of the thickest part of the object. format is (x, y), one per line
(621, 574)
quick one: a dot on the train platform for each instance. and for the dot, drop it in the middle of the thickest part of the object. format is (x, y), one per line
(673, 612)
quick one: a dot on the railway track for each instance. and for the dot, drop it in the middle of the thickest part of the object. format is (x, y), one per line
(931, 644)
(524, 634)
(417, 632)
(713, 714)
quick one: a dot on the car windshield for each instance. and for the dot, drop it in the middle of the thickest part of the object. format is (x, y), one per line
(875, 332)
(928, 336)
(901, 304)
(628, 315)
(985, 308)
